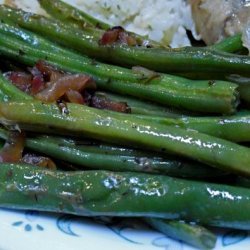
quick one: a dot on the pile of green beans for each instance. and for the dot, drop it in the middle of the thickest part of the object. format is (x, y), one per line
(202, 96)
(169, 162)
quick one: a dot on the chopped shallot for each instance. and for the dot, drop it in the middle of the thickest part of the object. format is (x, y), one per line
(21, 80)
(13, 147)
(117, 35)
(104, 103)
(58, 88)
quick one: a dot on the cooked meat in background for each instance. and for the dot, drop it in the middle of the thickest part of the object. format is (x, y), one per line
(217, 19)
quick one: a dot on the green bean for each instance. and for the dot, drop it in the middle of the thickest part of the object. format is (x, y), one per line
(188, 59)
(90, 146)
(244, 86)
(230, 44)
(233, 128)
(244, 90)
(192, 234)
(95, 157)
(201, 96)
(119, 128)
(96, 193)
(68, 14)
(234, 43)
(242, 81)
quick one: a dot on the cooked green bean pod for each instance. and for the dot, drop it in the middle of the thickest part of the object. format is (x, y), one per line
(77, 18)
(107, 158)
(192, 234)
(230, 44)
(233, 128)
(71, 15)
(95, 193)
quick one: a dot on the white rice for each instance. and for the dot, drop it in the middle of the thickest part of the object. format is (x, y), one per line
(165, 21)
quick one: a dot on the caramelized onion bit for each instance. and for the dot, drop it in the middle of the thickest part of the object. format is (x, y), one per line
(13, 148)
(48, 84)
(74, 97)
(111, 36)
(56, 90)
(21, 80)
(37, 85)
(117, 35)
(105, 103)
(125, 38)
(38, 82)
(39, 161)
(49, 72)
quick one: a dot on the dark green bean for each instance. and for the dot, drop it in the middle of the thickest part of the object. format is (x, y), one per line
(107, 158)
(96, 193)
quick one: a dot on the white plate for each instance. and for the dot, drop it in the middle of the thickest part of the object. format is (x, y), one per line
(30, 230)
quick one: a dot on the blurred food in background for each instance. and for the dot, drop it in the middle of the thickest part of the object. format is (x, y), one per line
(218, 19)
